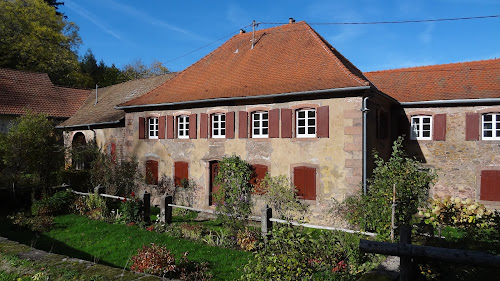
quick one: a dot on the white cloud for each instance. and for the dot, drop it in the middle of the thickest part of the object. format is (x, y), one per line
(91, 17)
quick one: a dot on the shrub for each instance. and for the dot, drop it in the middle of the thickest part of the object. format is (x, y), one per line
(412, 181)
(184, 214)
(191, 231)
(294, 253)
(116, 178)
(131, 210)
(281, 195)
(33, 223)
(233, 198)
(154, 259)
(93, 206)
(60, 203)
(247, 239)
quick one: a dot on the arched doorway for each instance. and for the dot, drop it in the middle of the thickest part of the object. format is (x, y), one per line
(78, 145)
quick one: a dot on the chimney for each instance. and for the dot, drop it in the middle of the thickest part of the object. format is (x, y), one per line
(242, 31)
(291, 20)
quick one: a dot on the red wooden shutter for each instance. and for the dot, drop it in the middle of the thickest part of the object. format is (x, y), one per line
(181, 172)
(490, 185)
(440, 127)
(170, 127)
(243, 124)
(274, 123)
(286, 123)
(203, 125)
(471, 126)
(151, 172)
(192, 126)
(142, 131)
(230, 125)
(161, 127)
(259, 174)
(323, 117)
(304, 179)
(113, 152)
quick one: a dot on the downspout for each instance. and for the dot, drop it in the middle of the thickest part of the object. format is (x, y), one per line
(364, 110)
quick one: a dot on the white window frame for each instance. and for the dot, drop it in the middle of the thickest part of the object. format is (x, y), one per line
(417, 127)
(306, 125)
(259, 124)
(183, 127)
(495, 126)
(153, 127)
(218, 125)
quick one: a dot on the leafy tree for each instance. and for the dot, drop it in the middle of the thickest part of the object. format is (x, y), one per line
(281, 195)
(412, 181)
(31, 151)
(33, 37)
(137, 69)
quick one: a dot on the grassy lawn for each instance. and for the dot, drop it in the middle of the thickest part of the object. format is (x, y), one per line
(114, 244)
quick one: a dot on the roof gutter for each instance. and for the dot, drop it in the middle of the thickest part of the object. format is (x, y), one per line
(347, 89)
(88, 125)
(450, 102)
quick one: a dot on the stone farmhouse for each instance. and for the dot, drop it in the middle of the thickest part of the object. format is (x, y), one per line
(289, 103)
(23, 91)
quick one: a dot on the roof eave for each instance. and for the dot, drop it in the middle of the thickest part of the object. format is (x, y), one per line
(89, 124)
(451, 102)
(346, 89)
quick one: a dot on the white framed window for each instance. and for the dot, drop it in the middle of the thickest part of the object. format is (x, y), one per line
(183, 127)
(490, 128)
(421, 127)
(153, 128)
(218, 126)
(306, 123)
(260, 124)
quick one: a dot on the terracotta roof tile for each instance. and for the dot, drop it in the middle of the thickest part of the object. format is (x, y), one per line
(467, 80)
(109, 97)
(21, 91)
(288, 58)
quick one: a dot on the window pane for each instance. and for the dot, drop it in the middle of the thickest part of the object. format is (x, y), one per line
(265, 124)
(265, 115)
(302, 114)
(256, 116)
(427, 120)
(216, 132)
(187, 126)
(302, 130)
(223, 117)
(488, 126)
(223, 125)
(427, 127)
(222, 132)
(310, 130)
(302, 122)
(264, 131)
(311, 122)
(256, 124)
(488, 134)
(255, 131)
(311, 113)
(216, 125)
(181, 126)
(216, 118)
(488, 117)
(498, 133)
(426, 134)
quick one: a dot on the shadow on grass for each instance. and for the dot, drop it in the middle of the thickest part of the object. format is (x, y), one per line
(43, 242)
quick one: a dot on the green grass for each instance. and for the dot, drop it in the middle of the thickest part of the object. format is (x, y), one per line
(4, 276)
(114, 244)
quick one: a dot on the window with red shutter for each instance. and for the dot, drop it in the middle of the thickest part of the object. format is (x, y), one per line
(490, 185)
(161, 129)
(286, 123)
(230, 125)
(192, 126)
(142, 129)
(274, 123)
(180, 172)
(151, 172)
(259, 172)
(170, 127)
(112, 152)
(243, 124)
(203, 125)
(304, 179)
(471, 126)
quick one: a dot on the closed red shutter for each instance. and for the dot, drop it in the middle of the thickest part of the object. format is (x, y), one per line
(142, 131)
(161, 127)
(323, 115)
(304, 179)
(230, 125)
(490, 185)
(471, 126)
(286, 123)
(113, 152)
(181, 172)
(151, 172)
(203, 125)
(170, 127)
(243, 124)
(192, 126)
(440, 127)
(259, 174)
(274, 123)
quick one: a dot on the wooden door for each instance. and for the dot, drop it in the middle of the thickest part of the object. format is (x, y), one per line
(214, 170)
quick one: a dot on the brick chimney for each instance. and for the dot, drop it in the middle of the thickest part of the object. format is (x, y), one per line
(291, 20)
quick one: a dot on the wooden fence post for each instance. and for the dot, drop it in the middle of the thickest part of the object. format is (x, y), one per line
(99, 189)
(406, 262)
(265, 224)
(169, 199)
(146, 205)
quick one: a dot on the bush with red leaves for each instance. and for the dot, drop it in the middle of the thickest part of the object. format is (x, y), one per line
(154, 259)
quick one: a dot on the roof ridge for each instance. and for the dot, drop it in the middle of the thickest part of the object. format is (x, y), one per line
(335, 53)
(425, 67)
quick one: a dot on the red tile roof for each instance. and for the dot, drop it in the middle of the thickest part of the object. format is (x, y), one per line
(467, 80)
(287, 58)
(104, 111)
(21, 91)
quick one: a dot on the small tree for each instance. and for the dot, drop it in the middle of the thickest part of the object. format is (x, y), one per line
(281, 195)
(412, 181)
(233, 198)
(117, 178)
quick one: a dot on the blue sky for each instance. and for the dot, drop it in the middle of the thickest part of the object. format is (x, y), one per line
(121, 31)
